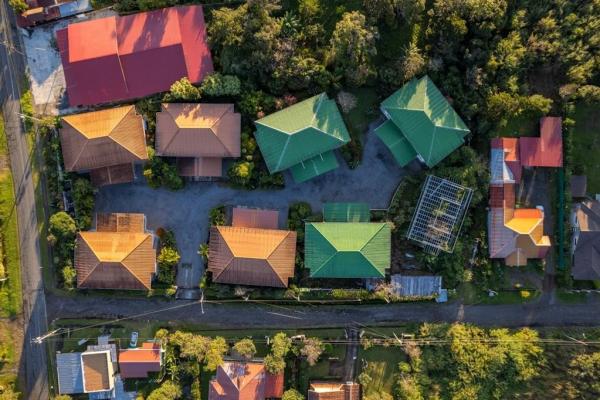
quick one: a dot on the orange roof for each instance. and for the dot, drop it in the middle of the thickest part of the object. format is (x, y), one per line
(251, 256)
(103, 138)
(137, 363)
(97, 371)
(81, 35)
(118, 259)
(255, 218)
(198, 130)
(524, 220)
(244, 381)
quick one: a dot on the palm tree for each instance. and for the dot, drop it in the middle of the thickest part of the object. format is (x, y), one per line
(203, 251)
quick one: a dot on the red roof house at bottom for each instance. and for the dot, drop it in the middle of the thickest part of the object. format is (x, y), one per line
(133, 56)
(245, 381)
(545, 151)
(137, 363)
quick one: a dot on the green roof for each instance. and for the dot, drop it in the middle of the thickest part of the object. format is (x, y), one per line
(393, 138)
(426, 119)
(315, 166)
(347, 249)
(346, 212)
(300, 132)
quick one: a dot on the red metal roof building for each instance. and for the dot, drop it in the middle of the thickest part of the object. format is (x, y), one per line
(237, 380)
(546, 150)
(133, 56)
(137, 363)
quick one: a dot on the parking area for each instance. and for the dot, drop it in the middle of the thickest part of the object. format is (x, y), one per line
(186, 211)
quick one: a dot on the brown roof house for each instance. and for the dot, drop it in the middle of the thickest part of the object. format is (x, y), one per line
(139, 362)
(249, 254)
(237, 380)
(91, 371)
(334, 391)
(119, 254)
(586, 241)
(105, 143)
(199, 135)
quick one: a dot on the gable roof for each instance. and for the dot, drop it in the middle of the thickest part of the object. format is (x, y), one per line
(198, 130)
(422, 115)
(546, 150)
(251, 256)
(300, 132)
(347, 249)
(134, 55)
(326, 390)
(137, 363)
(97, 371)
(346, 212)
(255, 218)
(70, 373)
(102, 139)
(119, 255)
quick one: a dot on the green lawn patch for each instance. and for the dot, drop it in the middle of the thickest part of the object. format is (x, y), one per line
(8, 356)
(10, 290)
(472, 294)
(381, 364)
(522, 125)
(586, 144)
(358, 119)
(572, 297)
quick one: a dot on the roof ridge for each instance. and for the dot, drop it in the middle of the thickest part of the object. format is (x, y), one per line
(119, 143)
(228, 263)
(283, 239)
(122, 262)
(226, 109)
(335, 252)
(95, 256)
(319, 102)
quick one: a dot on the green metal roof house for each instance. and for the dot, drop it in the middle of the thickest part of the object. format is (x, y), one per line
(302, 138)
(347, 245)
(421, 124)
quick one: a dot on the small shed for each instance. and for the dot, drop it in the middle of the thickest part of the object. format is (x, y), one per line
(578, 186)
(417, 285)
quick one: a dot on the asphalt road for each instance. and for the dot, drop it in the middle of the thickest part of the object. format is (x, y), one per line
(33, 368)
(253, 315)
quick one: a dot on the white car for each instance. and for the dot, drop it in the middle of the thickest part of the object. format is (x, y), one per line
(133, 340)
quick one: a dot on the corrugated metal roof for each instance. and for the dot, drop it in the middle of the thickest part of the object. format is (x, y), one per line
(70, 373)
(426, 119)
(255, 218)
(115, 174)
(103, 138)
(313, 167)
(416, 286)
(347, 249)
(300, 132)
(346, 212)
(393, 138)
(545, 151)
(198, 130)
(134, 55)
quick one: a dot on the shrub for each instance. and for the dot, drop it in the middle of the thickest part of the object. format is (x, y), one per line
(159, 172)
(167, 260)
(217, 85)
(240, 173)
(183, 90)
(217, 216)
(20, 6)
(83, 198)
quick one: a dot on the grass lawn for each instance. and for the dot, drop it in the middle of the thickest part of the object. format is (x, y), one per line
(9, 358)
(381, 363)
(10, 290)
(523, 125)
(572, 298)
(471, 294)
(586, 144)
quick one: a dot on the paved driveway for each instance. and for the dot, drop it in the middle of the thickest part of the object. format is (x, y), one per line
(186, 211)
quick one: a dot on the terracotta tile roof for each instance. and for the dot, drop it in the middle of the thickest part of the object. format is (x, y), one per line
(112, 175)
(102, 139)
(120, 222)
(545, 151)
(244, 381)
(134, 55)
(334, 391)
(198, 130)
(251, 256)
(255, 218)
(137, 363)
(119, 259)
(97, 371)
(200, 167)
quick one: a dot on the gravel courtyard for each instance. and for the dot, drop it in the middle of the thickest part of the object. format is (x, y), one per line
(186, 211)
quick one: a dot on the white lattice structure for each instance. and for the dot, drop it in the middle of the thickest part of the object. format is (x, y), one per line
(439, 215)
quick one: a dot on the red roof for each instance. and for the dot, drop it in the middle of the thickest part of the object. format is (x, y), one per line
(502, 196)
(545, 151)
(274, 385)
(133, 56)
(137, 363)
(511, 154)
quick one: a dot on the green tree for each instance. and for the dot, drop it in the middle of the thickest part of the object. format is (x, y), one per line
(183, 90)
(584, 370)
(216, 85)
(195, 392)
(203, 251)
(217, 348)
(245, 348)
(411, 10)
(292, 394)
(146, 5)
(413, 62)
(312, 348)
(352, 48)
(281, 344)
(167, 261)
(309, 9)
(407, 388)
(240, 173)
(20, 6)
(377, 10)
(190, 345)
(83, 199)
(169, 390)
(69, 275)
(62, 231)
